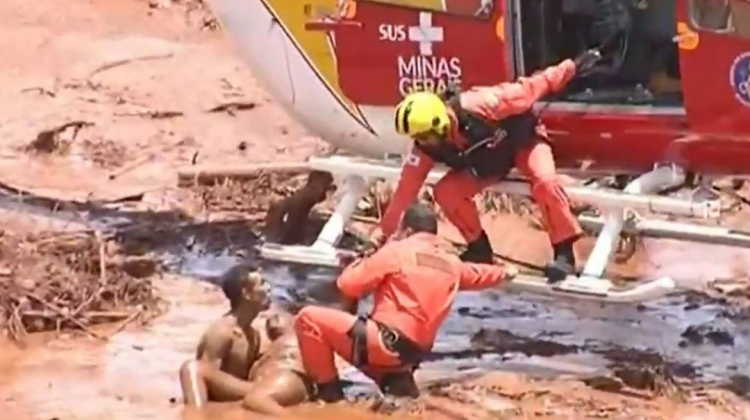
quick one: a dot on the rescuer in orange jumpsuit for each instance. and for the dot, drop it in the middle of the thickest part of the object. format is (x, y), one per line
(414, 281)
(481, 134)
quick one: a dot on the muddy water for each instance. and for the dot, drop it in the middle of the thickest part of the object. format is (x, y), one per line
(134, 375)
(131, 376)
(696, 338)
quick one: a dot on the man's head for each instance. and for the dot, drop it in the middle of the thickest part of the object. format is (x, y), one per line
(318, 184)
(243, 284)
(418, 218)
(423, 116)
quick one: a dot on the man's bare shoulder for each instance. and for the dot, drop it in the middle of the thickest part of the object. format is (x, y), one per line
(221, 329)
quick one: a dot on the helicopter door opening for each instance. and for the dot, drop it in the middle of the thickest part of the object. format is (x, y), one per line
(640, 65)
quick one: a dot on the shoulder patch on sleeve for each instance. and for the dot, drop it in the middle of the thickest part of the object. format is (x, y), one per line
(412, 160)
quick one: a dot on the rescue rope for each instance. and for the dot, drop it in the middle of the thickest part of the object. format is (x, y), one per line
(506, 258)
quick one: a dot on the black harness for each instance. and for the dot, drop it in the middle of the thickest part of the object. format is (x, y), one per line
(408, 351)
(492, 146)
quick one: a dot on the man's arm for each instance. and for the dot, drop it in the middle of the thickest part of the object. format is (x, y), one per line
(215, 345)
(415, 170)
(362, 276)
(507, 99)
(483, 276)
(274, 223)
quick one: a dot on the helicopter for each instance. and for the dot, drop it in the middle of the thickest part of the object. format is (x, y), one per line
(668, 103)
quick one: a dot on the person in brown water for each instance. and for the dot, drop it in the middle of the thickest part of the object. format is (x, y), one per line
(228, 365)
(287, 219)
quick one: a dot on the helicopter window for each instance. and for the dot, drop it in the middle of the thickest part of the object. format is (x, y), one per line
(640, 64)
(480, 9)
(722, 16)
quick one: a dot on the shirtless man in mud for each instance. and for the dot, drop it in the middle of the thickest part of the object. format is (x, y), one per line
(228, 365)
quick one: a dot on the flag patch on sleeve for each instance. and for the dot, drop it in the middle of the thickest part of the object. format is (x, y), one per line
(412, 159)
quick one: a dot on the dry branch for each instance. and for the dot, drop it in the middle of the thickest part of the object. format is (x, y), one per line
(232, 107)
(118, 63)
(209, 175)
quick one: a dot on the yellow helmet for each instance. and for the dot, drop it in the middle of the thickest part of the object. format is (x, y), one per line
(421, 112)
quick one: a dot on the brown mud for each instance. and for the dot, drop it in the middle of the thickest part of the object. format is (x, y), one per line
(102, 102)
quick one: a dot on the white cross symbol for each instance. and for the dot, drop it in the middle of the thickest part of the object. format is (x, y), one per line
(425, 33)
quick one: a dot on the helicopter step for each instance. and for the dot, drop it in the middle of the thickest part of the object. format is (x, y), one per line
(359, 173)
(664, 229)
(597, 289)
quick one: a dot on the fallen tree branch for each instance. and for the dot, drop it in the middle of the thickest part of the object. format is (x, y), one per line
(68, 317)
(355, 217)
(102, 259)
(156, 115)
(97, 315)
(41, 90)
(118, 63)
(232, 107)
(125, 323)
(208, 175)
(46, 141)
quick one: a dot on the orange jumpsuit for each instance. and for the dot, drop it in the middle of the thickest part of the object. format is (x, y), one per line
(414, 284)
(454, 192)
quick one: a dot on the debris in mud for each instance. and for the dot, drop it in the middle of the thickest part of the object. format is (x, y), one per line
(739, 385)
(117, 63)
(52, 140)
(607, 383)
(69, 280)
(105, 153)
(195, 10)
(155, 115)
(631, 369)
(732, 288)
(645, 381)
(698, 334)
(491, 201)
(502, 341)
(231, 108)
(481, 401)
(250, 197)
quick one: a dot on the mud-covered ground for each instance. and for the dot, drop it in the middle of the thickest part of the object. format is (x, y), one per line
(102, 102)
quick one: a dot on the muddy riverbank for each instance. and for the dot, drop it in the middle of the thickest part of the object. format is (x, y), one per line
(102, 101)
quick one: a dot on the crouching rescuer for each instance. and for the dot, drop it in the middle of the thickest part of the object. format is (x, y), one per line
(481, 134)
(414, 280)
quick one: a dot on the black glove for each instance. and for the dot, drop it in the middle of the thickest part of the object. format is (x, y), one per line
(587, 60)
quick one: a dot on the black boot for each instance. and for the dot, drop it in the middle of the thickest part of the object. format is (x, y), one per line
(564, 263)
(478, 251)
(400, 384)
(330, 392)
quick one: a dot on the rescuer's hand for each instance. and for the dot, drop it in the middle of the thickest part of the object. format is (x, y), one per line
(587, 60)
(378, 238)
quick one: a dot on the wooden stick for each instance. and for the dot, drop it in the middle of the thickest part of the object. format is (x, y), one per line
(118, 63)
(68, 317)
(101, 315)
(102, 259)
(355, 217)
(87, 302)
(125, 323)
(208, 175)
